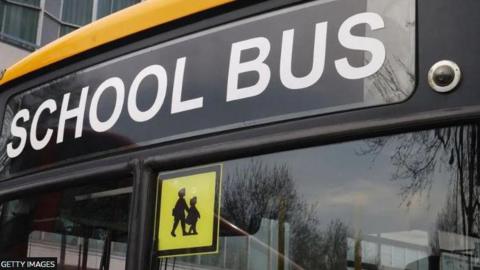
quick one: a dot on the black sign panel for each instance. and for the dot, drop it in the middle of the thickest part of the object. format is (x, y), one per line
(300, 61)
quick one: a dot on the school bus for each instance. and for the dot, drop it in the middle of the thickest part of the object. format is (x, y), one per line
(219, 134)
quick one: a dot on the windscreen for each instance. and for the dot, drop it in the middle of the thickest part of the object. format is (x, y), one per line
(407, 201)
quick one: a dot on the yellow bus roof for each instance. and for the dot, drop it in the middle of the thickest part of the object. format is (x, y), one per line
(142, 16)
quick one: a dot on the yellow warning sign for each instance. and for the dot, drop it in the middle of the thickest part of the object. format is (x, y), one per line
(188, 208)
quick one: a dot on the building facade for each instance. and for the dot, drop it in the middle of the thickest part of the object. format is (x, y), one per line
(26, 25)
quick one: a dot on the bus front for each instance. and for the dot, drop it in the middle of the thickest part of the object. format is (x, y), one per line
(324, 134)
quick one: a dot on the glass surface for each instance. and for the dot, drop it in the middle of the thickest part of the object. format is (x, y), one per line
(204, 59)
(2, 15)
(106, 7)
(408, 201)
(84, 227)
(21, 23)
(66, 29)
(121, 4)
(396, 79)
(77, 12)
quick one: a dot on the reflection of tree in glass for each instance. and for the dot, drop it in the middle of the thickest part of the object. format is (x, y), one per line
(258, 191)
(418, 156)
(393, 82)
(447, 221)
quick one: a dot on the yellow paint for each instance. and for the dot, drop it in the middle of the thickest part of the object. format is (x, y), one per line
(202, 186)
(134, 19)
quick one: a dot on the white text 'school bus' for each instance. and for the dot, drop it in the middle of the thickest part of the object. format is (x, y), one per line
(325, 134)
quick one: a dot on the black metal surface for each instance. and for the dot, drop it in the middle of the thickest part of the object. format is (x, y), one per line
(141, 230)
(447, 29)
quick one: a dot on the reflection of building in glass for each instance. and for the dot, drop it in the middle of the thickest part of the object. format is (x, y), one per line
(251, 252)
(458, 252)
(396, 250)
(76, 251)
(83, 227)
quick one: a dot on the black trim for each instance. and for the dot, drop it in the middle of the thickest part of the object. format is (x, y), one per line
(60, 178)
(141, 212)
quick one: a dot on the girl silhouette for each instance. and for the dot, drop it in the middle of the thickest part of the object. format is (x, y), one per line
(193, 216)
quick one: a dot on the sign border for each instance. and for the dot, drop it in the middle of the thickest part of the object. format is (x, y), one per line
(217, 168)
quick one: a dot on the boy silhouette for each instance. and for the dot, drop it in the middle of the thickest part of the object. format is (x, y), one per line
(193, 216)
(178, 212)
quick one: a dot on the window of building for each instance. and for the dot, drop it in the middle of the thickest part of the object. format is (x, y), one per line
(106, 7)
(2, 15)
(83, 227)
(77, 12)
(65, 29)
(20, 21)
